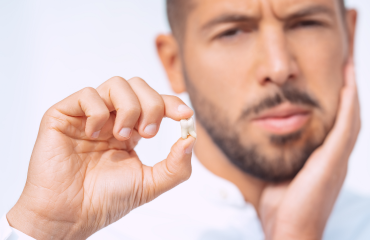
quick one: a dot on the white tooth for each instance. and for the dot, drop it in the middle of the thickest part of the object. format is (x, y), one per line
(193, 134)
(184, 128)
(187, 127)
(191, 127)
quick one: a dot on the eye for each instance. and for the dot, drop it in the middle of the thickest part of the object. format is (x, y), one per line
(230, 33)
(307, 23)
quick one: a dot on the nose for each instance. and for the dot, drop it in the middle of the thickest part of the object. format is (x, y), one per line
(276, 63)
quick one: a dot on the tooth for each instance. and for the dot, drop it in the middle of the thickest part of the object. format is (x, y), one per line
(187, 127)
(191, 127)
(184, 128)
(193, 134)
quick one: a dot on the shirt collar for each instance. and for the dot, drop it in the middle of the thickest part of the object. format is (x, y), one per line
(215, 188)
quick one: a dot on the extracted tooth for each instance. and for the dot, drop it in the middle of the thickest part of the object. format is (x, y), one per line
(193, 134)
(187, 127)
(191, 125)
(184, 128)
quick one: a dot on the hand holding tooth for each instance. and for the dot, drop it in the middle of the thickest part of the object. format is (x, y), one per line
(187, 128)
(84, 172)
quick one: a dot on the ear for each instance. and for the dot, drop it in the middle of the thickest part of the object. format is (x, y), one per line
(169, 53)
(351, 20)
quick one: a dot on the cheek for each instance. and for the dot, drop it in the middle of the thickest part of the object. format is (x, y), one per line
(221, 76)
(321, 58)
(328, 95)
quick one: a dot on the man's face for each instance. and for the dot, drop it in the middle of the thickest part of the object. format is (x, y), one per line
(264, 78)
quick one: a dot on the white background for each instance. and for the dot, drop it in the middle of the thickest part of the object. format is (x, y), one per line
(50, 49)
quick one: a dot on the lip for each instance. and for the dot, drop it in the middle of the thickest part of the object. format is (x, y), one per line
(283, 119)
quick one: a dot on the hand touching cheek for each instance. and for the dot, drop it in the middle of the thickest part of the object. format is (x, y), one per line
(300, 209)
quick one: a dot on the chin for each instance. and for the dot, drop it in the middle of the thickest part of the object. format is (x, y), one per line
(276, 158)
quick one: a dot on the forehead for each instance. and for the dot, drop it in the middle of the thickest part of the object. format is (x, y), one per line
(205, 9)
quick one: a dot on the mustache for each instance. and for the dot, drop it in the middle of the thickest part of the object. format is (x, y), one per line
(287, 94)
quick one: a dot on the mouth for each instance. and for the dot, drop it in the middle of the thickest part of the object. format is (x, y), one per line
(283, 119)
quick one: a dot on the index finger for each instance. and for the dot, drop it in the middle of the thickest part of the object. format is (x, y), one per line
(348, 122)
(340, 142)
(175, 108)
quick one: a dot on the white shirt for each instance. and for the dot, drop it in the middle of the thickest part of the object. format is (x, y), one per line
(207, 207)
(9, 233)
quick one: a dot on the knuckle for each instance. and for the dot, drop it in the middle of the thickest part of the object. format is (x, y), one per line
(88, 91)
(133, 111)
(157, 107)
(102, 114)
(116, 79)
(175, 98)
(111, 83)
(50, 111)
(53, 119)
(136, 80)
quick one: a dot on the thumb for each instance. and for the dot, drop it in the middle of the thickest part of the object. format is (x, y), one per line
(175, 169)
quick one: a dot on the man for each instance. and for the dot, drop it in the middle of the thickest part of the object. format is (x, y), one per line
(273, 88)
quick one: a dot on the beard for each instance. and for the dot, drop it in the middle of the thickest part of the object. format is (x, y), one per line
(250, 157)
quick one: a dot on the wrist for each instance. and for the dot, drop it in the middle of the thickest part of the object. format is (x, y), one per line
(35, 225)
(286, 234)
(294, 237)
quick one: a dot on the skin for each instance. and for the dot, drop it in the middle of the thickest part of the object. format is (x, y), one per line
(255, 58)
(258, 55)
(81, 180)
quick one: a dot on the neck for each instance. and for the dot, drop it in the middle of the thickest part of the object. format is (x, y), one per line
(215, 161)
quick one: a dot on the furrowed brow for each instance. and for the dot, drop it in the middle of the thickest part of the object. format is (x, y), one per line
(227, 18)
(311, 11)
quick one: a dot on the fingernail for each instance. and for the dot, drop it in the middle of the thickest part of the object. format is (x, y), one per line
(125, 132)
(95, 134)
(189, 149)
(151, 129)
(183, 108)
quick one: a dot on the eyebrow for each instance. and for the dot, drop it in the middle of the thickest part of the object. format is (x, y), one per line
(311, 11)
(233, 17)
(228, 18)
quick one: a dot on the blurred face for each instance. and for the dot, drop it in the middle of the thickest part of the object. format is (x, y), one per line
(264, 78)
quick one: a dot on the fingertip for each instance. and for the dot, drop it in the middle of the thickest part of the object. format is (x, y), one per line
(92, 133)
(176, 109)
(182, 148)
(151, 129)
(184, 111)
(188, 144)
(95, 135)
(123, 134)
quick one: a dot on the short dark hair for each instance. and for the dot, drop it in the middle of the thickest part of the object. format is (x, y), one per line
(177, 11)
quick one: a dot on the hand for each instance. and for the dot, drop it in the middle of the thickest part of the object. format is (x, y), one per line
(84, 174)
(301, 208)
